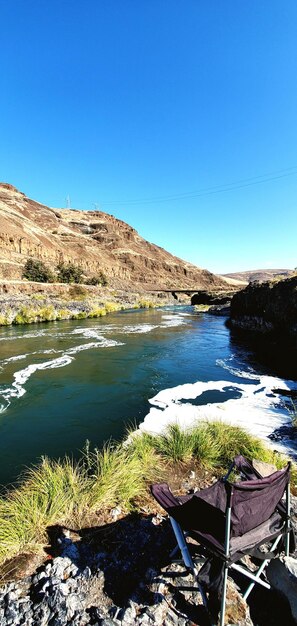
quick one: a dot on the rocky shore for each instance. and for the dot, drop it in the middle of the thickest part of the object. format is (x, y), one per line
(29, 302)
(122, 574)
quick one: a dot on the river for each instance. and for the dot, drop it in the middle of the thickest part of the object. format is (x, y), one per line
(62, 383)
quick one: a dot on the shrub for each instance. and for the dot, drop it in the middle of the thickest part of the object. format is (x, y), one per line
(110, 307)
(78, 292)
(100, 279)
(81, 315)
(64, 314)
(37, 271)
(145, 304)
(46, 314)
(97, 312)
(69, 273)
(6, 318)
(26, 315)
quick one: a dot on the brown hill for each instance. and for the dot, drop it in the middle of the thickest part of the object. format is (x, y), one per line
(92, 239)
(251, 276)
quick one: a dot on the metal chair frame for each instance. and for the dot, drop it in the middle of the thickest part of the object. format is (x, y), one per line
(255, 577)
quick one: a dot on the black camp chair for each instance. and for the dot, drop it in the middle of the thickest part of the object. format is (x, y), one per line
(231, 520)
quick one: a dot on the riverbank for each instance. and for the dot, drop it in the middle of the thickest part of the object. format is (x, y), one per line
(71, 492)
(24, 302)
(70, 529)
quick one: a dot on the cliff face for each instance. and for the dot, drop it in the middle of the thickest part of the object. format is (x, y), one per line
(267, 307)
(92, 239)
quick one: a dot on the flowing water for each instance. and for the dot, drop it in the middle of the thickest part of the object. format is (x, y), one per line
(65, 382)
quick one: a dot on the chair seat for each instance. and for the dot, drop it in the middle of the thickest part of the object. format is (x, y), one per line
(260, 535)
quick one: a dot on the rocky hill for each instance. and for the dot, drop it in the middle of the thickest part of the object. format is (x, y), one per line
(92, 239)
(251, 276)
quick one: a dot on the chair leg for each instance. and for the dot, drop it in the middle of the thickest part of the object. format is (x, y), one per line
(260, 570)
(187, 559)
(182, 544)
(224, 593)
(288, 507)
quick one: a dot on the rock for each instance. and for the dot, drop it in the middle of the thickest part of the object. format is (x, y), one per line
(115, 512)
(282, 575)
(265, 469)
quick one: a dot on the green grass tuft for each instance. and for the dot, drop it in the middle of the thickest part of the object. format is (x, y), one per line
(72, 493)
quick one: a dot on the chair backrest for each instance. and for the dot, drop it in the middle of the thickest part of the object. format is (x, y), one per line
(254, 501)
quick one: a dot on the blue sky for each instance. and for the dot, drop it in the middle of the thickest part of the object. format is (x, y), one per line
(155, 110)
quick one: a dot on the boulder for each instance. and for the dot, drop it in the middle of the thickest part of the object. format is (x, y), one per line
(282, 575)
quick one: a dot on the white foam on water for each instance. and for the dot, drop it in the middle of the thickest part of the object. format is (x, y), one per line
(22, 376)
(248, 373)
(17, 389)
(172, 320)
(138, 328)
(259, 409)
(103, 343)
(88, 333)
(11, 359)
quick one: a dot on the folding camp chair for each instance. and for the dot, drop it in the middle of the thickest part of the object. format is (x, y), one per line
(231, 520)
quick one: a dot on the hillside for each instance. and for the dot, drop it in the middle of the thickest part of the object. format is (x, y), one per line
(92, 239)
(260, 275)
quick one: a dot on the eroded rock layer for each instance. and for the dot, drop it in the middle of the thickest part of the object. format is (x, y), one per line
(92, 239)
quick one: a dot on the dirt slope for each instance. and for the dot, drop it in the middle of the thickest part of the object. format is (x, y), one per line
(94, 240)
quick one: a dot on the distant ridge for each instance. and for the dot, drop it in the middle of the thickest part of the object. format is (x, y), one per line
(259, 275)
(92, 239)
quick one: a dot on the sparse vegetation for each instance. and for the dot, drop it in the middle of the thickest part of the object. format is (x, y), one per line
(71, 493)
(69, 273)
(97, 312)
(145, 304)
(111, 307)
(37, 271)
(100, 279)
(30, 314)
(78, 292)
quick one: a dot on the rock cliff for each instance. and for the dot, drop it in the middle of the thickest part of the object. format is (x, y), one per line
(267, 307)
(265, 316)
(92, 239)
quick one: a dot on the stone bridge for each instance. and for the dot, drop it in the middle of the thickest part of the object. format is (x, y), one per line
(201, 296)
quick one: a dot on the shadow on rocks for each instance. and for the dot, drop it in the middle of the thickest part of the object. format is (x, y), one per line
(129, 552)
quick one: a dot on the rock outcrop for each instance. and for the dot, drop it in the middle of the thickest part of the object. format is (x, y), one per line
(269, 307)
(93, 240)
(265, 315)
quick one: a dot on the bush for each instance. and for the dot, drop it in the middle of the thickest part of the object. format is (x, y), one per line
(69, 273)
(145, 304)
(97, 312)
(78, 292)
(100, 279)
(37, 271)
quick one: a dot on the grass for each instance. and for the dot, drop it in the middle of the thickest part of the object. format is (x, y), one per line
(145, 304)
(74, 493)
(48, 313)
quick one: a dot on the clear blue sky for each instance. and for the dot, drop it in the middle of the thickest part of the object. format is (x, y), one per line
(152, 108)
